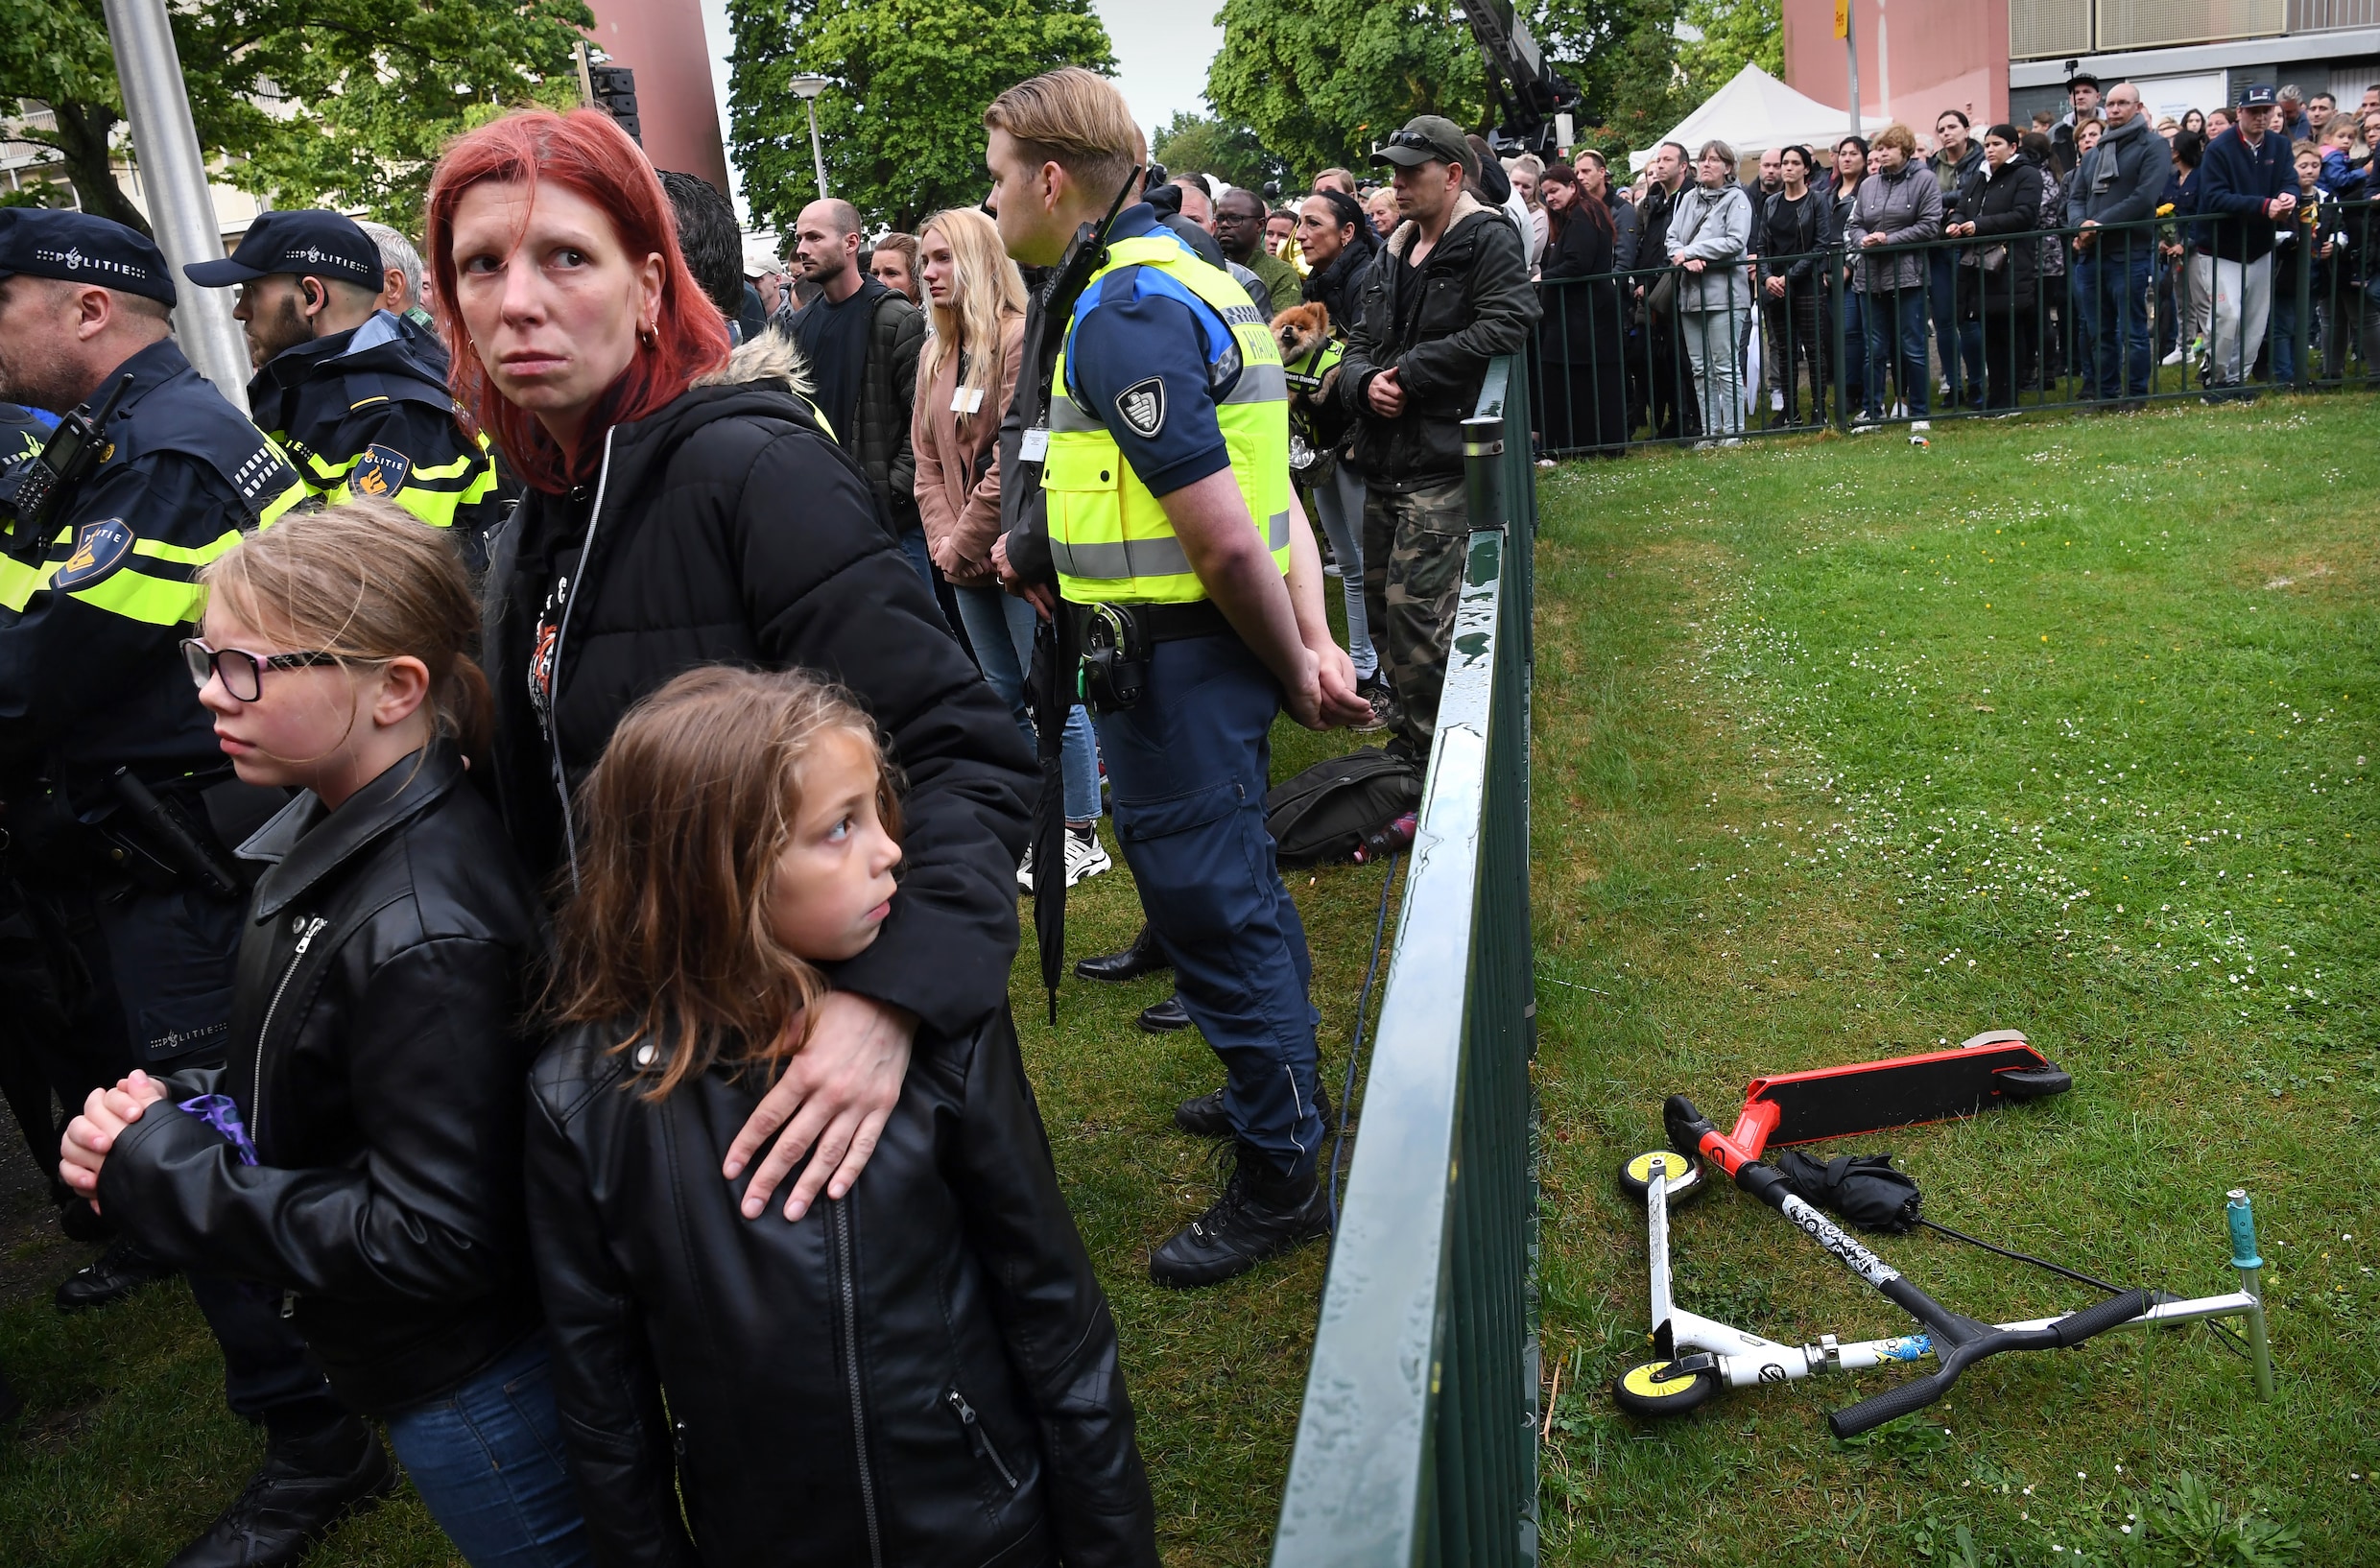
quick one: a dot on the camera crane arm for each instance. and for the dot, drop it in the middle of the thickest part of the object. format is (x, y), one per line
(1527, 93)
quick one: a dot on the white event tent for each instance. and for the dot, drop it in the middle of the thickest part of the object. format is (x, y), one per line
(1756, 111)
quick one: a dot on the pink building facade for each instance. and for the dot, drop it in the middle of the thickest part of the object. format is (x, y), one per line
(661, 40)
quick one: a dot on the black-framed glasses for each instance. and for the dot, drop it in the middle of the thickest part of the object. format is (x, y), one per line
(243, 673)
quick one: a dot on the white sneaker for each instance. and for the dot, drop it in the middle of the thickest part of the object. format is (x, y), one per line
(1024, 872)
(2176, 356)
(1777, 401)
(1086, 857)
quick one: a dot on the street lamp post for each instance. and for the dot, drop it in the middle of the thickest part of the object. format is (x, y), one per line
(180, 208)
(808, 88)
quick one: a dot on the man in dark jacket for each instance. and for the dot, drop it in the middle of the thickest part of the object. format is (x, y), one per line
(861, 341)
(1449, 293)
(2248, 183)
(2118, 182)
(1656, 391)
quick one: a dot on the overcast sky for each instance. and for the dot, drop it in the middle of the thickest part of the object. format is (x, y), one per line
(1162, 51)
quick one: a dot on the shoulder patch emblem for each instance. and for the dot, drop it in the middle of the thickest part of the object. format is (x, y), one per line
(1141, 406)
(99, 549)
(381, 470)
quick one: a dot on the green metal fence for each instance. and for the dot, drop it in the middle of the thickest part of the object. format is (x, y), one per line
(1417, 1440)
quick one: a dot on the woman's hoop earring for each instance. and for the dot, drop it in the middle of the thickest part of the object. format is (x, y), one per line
(648, 336)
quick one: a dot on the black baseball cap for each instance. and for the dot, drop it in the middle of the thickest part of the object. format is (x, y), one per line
(79, 248)
(308, 243)
(2080, 78)
(1427, 139)
(2259, 96)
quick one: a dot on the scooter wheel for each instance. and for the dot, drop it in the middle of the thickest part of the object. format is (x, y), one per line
(2034, 1082)
(1684, 1175)
(1656, 1388)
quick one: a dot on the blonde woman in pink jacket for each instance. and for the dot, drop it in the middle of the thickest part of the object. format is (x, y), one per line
(966, 373)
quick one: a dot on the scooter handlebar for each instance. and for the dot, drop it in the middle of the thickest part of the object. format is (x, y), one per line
(1920, 1391)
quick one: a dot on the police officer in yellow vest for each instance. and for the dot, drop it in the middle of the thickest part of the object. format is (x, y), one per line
(120, 807)
(355, 395)
(1164, 465)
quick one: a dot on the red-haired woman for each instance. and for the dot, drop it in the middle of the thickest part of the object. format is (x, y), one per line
(686, 507)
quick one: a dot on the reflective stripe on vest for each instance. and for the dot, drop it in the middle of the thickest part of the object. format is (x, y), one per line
(1109, 538)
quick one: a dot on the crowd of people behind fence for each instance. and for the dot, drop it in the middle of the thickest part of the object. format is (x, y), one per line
(1908, 273)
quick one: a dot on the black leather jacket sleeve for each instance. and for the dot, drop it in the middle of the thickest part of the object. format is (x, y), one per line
(1061, 1336)
(412, 1220)
(971, 782)
(608, 1388)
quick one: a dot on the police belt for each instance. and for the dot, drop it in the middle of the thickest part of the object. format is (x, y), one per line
(1172, 622)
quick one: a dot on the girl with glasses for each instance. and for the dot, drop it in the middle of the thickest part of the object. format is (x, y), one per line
(359, 1155)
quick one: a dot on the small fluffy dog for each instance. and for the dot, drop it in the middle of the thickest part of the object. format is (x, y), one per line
(1300, 330)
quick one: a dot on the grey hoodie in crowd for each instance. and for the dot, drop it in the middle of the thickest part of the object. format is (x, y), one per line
(1713, 226)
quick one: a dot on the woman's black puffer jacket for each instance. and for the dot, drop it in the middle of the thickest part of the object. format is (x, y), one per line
(378, 1067)
(923, 1372)
(1338, 286)
(2002, 203)
(728, 529)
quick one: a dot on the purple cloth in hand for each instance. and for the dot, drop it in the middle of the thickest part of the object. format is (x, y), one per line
(221, 1112)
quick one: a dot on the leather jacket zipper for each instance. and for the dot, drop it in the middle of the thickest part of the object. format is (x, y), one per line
(978, 1438)
(257, 1082)
(849, 1288)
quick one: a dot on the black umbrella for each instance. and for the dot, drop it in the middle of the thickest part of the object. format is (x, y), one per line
(1054, 655)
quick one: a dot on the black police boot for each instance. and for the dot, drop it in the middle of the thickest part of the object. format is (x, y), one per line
(1145, 957)
(1166, 1016)
(308, 1483)
(1260, 1214)
(1205, 1118)
(120, 1270)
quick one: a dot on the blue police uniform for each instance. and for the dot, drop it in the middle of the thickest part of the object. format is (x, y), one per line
(1189, 764)
(92, 683)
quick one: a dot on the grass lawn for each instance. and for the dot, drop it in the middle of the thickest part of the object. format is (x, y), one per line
(1847, 749)
(1812, 787)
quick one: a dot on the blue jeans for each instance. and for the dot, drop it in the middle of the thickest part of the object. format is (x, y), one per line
(1000, 626)
(488, 1461)
(2283, 358)
(1340, 505)
(1188, 765)
(1896, 349)
(2111, 315)
(1960, 343)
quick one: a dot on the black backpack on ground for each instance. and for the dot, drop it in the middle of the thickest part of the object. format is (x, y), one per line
(1323, 812)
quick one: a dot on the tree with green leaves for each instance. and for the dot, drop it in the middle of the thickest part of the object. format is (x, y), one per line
(1734, 33)
(902, 119)
(1202, 144)
(1321, 81)
(307, 102)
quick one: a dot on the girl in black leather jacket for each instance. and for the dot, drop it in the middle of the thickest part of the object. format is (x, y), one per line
(922, 1370)
(360, 1150)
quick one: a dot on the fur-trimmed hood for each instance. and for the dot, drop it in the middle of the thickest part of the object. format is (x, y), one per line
(773, 356)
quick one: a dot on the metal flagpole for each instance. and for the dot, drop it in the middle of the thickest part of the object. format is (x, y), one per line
(1849, 35)
(180, 208)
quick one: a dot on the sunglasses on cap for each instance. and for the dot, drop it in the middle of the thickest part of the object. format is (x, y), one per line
(1419, 143)
(242, 673)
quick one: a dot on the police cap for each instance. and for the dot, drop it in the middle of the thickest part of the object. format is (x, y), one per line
(308, 243)
(79, 248)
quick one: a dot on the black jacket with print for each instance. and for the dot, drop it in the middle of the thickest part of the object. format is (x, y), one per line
(727, 528)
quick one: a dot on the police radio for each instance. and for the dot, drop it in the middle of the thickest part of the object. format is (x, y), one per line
(75, 449)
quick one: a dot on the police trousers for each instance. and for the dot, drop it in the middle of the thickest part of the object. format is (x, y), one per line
(1187, 770)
